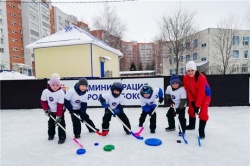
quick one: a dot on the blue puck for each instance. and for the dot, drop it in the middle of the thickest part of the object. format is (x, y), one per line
(80, 151)
(153, 142)
(96, 144)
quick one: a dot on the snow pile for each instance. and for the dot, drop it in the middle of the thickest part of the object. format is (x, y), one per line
(12, 75)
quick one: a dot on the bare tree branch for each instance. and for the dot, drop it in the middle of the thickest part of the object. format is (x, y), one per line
(223, 41)
(178, 29)
(110, 22)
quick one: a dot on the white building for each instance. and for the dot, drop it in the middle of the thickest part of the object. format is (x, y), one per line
(4, 41)
(207, 56)
(35, 25)
(63, 20)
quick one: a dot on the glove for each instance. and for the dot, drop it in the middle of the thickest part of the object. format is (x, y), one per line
(178, 110)
(116, 111)
(160, 100)
(196, 109)
(105, 105)
(58, 120)
(170, 101)
(47, 113)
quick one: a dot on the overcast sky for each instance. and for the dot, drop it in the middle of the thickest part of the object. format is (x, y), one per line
(141, 17)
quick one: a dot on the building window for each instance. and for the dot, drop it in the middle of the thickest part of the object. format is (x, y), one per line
(2, 50)
(236, 68)
(11, 5)
(13, 23)
(245, 41)
(187, 57)
(245, 54)
(195, 56)
(12, 14)
(181, 58)
(170, 71)
(15, 49)
(34, 33)
(1, 41)
(203, 59)
(236, 40)
(14, 32)
(244, 68)
(181, 71)
(1, 22)
(15, 57)
(195, 43)
(170, 50)
(203, 45)
(188, 45)
(14, 40)
(170, 61)
(236, 54)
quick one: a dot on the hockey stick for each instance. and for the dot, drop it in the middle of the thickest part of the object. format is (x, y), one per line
(142, 128)
(92, 128)
(182, 134)
(131, 132)
(74, 139)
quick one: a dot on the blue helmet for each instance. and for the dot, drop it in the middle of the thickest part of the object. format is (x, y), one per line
(116, 86)
(146, 90)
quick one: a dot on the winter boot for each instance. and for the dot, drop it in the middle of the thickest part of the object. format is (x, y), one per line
(152, 131)
(77, 136)
(61, 141)
(51, 138)
(191, 125)
(171, 124)
(105, 132)
(202, 129)
(140, 125)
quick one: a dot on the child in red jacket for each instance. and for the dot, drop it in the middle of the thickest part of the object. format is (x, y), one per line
(52, 101)
(199, 97)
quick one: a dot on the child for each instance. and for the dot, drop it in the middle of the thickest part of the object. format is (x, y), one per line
(52, 100)
(115, 101)
(76, 102)
(176, 94)
(148, 103)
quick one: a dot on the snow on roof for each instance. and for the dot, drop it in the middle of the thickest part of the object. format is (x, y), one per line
(12, 75)
(71, 35)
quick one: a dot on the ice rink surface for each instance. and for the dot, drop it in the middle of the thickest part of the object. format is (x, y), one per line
(227, 143)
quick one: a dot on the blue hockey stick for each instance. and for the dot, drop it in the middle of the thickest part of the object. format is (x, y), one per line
(182, 134)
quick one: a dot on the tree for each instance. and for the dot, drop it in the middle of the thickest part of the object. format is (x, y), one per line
(123, 63)
(132, 67)
(177, 28)
(110, 23)
(248, 17)
(140, 67)
(224, 41)
(148, 67)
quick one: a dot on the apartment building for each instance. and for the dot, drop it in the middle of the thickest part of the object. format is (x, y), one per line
(203, 50)
(128, 57)
(62, 20)
(4, 39)
(35, 25)
(15, 33)
(146, 53)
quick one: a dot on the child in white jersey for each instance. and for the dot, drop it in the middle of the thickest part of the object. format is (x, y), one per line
(176, 95)
(148, 97)
(115, 101)
(76, 102)
(52, 100)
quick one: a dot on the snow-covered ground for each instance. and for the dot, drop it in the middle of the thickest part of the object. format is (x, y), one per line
(12, 75)
(24, 141)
